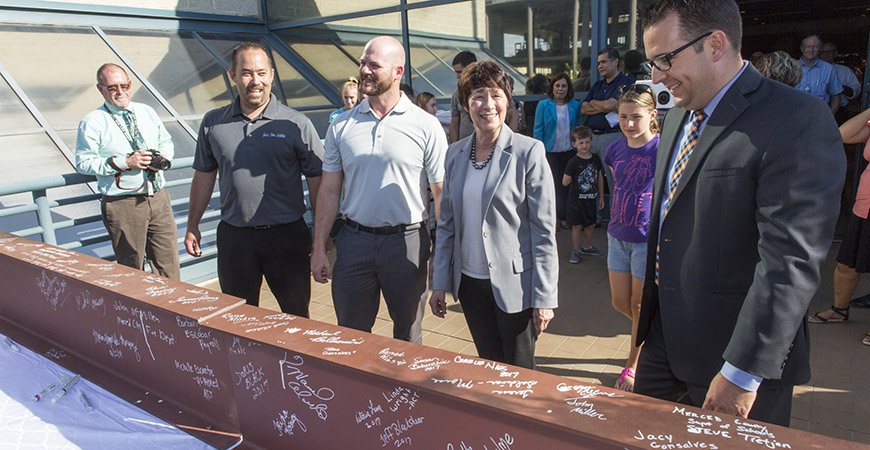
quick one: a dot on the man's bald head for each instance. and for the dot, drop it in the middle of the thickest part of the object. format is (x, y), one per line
(109, 67)
(381, 66)
(388, 48)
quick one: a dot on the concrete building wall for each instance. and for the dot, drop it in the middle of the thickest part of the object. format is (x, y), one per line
(465, 19)
(238, 8)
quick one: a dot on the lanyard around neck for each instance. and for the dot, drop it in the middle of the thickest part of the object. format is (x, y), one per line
(131, 136)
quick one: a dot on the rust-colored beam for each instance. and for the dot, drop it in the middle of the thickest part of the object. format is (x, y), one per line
(218, 368)
(134, 333)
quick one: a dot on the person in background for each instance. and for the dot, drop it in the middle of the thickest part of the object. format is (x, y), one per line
(600, 106)
(851, 85)
(584, 176)
(755, 57)
(853, 259)
(633, 60)
(496, 246)
(633, 162)
(584, 77)
(118, 143)
(407, 90)
(460, 124)
(779, 66)
(427, 102)
(349, 95)
(555, 117)
(819, 78)
(512, 119)
(536, 85)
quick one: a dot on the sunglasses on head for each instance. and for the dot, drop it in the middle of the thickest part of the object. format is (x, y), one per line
(638, 88)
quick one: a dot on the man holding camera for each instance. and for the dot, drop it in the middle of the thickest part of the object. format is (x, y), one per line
(125, 145)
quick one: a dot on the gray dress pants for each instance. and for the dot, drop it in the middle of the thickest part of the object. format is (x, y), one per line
(369, 264)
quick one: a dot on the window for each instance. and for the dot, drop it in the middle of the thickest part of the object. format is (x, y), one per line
(14, 117)
(185, 73)
(297, 91)
(63, 97)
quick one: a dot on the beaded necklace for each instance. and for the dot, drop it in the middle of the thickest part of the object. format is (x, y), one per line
(474, 163)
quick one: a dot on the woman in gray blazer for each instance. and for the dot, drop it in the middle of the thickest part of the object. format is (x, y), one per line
(496, 246)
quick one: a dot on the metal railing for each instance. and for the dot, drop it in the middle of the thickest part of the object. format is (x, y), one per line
(47, 227)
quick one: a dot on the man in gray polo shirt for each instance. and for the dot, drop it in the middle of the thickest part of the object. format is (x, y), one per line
(261, 148)
(383, 152)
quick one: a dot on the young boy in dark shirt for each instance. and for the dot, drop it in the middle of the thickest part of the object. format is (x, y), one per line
(585, 177)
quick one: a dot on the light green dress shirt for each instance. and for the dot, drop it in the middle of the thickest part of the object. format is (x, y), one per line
(102, 148)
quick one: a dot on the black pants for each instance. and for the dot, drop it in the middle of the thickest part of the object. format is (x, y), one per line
(558, 162)
(655, 379)
(498, 336)
(279, 252)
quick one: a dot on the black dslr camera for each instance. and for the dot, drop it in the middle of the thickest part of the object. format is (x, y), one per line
(158, 162)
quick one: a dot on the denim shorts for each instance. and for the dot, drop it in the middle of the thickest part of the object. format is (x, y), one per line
(626, 257)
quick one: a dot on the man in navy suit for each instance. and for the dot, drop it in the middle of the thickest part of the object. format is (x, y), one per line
(744, 205)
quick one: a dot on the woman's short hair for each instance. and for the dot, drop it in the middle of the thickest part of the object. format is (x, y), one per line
(422, 98)
(557, 77)
(483, 74)
(780, 67)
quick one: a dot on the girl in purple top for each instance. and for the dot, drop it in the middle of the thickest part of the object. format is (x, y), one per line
(633, 160)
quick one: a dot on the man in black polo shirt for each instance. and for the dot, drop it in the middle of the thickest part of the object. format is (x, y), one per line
(261, 148)
(600, 105)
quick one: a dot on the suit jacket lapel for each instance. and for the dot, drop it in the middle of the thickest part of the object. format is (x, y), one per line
(460, 167)
(667, 147)
(500, 158)
(731, 106)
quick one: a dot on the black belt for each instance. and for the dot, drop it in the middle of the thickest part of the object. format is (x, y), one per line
(269, 227)
(605, 131)
(395, 229)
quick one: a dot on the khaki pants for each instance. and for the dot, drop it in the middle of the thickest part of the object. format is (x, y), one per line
(143, 227)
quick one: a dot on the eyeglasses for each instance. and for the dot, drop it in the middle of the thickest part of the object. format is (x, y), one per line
(112, 88)
(663, 62)
(638, 88)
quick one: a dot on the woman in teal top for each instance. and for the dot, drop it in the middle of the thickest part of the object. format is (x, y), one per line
(554, 120)
(349, 95)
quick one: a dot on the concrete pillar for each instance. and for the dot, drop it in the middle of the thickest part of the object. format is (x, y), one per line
(584, 32)
(495, 38)
(530, 40)
(632, 24)
(574, 30)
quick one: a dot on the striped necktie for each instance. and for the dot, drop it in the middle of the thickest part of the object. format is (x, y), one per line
(686, 147)
(133, 129)
(138, 143)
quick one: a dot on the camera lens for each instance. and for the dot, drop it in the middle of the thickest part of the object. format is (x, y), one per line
(664, 97)
(158, 162)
